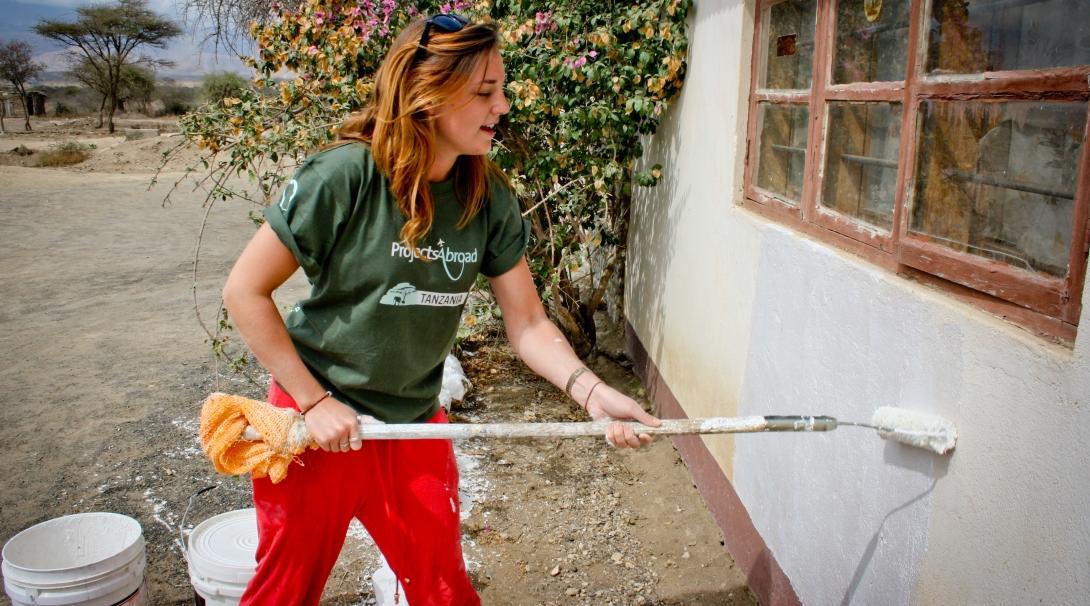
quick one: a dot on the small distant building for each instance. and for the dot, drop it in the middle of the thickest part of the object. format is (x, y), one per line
(14, 106)
(10, 103)
(36, 102)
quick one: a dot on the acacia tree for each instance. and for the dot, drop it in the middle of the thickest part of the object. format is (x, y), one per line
(16, 67)
(137, 82)
(216, 87)
(586, 79)
(106, 35)
(228, 22)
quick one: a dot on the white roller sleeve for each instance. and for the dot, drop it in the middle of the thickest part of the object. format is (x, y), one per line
(919, 429)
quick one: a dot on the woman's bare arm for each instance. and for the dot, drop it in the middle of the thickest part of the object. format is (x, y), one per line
(545, 350)
(262, 267)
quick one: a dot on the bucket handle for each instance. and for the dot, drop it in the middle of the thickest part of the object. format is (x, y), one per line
(183, 536)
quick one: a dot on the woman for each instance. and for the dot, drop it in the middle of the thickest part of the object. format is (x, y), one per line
(391, 227)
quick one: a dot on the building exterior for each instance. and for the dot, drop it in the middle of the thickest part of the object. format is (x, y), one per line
(873, 203)
(36, 102)
(14, 106)
(11, 104)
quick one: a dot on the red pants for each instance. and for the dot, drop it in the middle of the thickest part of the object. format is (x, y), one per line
(405, 492)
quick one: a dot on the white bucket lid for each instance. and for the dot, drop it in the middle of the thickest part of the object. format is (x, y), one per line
(222, 548)
(72, 549)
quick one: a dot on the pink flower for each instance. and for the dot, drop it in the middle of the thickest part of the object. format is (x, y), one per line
(313, 50)
(577, 62)
(543, 21)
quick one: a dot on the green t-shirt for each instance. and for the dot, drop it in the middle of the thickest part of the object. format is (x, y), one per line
(379, 323)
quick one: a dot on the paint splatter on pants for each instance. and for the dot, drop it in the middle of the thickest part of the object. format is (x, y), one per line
(405, 492)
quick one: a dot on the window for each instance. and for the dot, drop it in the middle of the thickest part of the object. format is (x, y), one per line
(945, 139)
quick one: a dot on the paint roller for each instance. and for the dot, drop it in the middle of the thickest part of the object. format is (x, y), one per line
(918, 429)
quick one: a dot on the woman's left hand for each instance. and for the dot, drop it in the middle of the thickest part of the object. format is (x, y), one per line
(608, 403)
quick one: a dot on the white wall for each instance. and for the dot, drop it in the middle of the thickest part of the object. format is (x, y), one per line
(744, 316)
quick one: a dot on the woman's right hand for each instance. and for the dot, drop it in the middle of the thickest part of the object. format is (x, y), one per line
(334, 426)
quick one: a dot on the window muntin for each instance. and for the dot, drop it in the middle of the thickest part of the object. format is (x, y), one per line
(973, 36)
(997, 179)
(781, 163)
(862, 145)
(1030, 279)
(789, 45)
(871, 41)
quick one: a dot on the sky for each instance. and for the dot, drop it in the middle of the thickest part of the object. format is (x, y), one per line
(192, 60)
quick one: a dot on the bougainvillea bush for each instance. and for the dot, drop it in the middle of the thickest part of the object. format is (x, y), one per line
(586, 80)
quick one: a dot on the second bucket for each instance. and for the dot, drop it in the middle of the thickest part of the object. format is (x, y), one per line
(220, 551)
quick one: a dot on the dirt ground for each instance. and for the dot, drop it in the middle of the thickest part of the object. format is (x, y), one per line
(103, 367)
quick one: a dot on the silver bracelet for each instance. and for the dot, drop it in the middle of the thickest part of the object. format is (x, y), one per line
(571, 380)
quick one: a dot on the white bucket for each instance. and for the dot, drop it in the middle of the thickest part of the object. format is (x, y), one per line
(91, 559)
(220, 551)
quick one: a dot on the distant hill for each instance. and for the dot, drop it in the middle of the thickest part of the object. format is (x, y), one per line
(61, 78)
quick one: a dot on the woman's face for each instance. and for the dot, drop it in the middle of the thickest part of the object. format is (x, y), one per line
(467, 122)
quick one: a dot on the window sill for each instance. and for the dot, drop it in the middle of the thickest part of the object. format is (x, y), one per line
(1040, 325)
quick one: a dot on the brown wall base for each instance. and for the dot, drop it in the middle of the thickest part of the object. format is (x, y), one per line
(765, 577)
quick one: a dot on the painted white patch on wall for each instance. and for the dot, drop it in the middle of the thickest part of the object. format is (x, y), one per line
(818, 346)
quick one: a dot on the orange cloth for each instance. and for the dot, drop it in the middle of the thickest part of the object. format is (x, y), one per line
(224, 419)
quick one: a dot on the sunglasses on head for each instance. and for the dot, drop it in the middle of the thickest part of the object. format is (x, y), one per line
(444, 22)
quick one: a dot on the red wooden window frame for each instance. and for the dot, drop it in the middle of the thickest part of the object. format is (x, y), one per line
(1042, 303)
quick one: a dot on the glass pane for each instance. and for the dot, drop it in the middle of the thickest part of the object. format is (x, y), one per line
(871, 41)
(998, 179)
(781, 129)
(861, 163)
(789, 53)
(971, 36)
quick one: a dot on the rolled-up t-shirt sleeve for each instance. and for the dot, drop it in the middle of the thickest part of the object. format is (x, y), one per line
(508, 233)
(308, 217)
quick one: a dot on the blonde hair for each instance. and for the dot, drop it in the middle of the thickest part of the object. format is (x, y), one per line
(399, 124)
